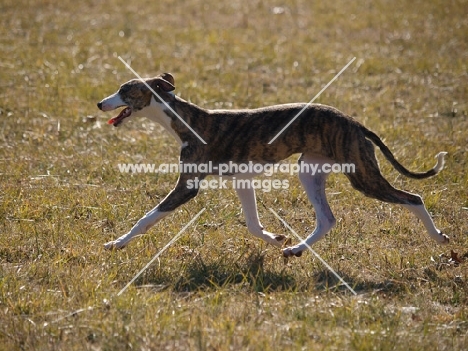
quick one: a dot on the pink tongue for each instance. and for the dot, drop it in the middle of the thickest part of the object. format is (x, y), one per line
(112, 120)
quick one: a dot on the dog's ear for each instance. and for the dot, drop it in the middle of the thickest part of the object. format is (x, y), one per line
(168, 77)
(165, 82)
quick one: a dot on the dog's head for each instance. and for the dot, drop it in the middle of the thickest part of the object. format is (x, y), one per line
(136, 96)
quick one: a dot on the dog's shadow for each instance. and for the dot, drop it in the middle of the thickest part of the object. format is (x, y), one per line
(247, 273)
(251, 274)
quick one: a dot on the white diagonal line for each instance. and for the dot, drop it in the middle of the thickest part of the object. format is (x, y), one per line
(164, 102)
(174, 239)
(315, 253)
(71, 314)
(311, 101)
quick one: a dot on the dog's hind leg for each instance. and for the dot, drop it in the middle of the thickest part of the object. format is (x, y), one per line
(314, 185)
(421, 212)
(368, 179)
(249, 207)
(182, 193)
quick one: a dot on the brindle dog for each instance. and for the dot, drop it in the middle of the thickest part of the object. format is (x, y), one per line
(322, 134)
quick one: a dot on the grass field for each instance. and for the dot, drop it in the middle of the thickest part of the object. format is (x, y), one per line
(218, 288)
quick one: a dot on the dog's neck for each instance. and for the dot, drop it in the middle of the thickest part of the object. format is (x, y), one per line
(169, 114)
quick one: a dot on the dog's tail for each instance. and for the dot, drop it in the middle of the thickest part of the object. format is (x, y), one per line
(398, 166)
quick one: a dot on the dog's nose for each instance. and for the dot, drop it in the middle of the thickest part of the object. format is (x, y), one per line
(99, 105)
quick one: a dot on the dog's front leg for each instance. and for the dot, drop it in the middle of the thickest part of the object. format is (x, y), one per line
(249, 207)
(183, 192)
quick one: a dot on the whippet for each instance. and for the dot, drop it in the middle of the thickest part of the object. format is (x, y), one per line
(322, 134)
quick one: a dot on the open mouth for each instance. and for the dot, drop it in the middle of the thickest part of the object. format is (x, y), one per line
(126, 112)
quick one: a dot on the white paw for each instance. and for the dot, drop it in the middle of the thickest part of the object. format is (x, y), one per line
(114, 245)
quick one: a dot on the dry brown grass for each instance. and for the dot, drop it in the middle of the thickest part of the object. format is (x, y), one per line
(218, 288)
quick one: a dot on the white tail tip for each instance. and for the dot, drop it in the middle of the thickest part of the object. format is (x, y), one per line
(440, 161)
